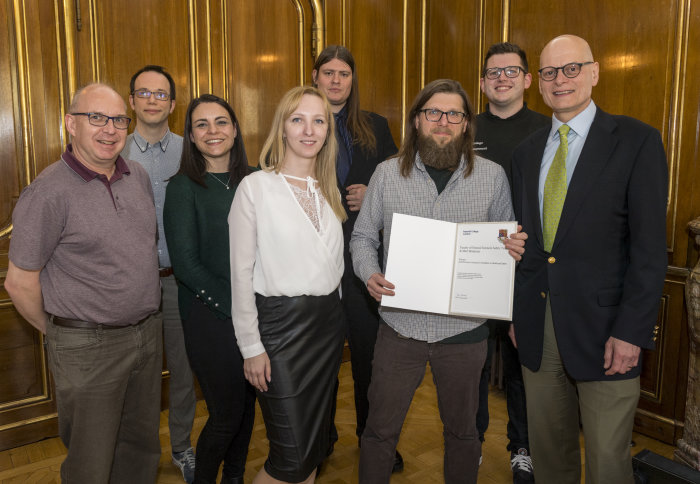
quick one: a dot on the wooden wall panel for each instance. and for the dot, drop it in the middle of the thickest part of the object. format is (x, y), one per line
(118, 38)
(384, 38)
(31, 120)
(686, 204)
(11, 159)
(454, 44)
(268, 52)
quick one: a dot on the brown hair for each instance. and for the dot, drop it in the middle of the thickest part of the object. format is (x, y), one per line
(358, 121)
(409, 147)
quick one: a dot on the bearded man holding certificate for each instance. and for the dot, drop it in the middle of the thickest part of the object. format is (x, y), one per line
(436, 175)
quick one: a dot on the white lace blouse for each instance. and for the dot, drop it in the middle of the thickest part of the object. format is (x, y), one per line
(284, 241)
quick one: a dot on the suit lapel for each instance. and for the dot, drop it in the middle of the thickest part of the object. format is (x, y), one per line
(531, 175)
(596, 152)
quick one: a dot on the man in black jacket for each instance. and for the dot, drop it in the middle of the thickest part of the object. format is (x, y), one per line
(504, 124)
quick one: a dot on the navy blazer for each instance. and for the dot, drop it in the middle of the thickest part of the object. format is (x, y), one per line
(605, 273)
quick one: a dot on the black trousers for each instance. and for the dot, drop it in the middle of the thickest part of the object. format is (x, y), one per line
(218, 364)
(362, 317)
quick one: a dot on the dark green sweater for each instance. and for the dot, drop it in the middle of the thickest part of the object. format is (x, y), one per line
(195, 220)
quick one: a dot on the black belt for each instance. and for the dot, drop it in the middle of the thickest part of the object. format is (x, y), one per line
(165, 271)
(75, 323)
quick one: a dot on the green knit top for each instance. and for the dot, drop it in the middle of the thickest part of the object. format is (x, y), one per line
(195, 220)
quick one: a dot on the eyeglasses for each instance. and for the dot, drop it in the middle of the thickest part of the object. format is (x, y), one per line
(145, 94)
(495, 72)
(97, 119)
(435, 115)
(570, 70)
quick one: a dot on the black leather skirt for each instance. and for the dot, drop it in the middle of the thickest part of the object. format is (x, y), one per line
(303, 337)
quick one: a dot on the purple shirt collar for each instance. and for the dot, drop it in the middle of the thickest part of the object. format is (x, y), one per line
(121, 168)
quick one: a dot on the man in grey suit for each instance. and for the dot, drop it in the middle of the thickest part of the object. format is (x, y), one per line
(591, 191)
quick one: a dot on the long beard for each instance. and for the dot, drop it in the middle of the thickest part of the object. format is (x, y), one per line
(445, 157)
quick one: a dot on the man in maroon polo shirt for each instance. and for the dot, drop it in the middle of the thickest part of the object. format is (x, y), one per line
(84, 270)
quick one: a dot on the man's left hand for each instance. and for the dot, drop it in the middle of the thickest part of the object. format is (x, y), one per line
(355, 195)
(620, 356)
(515, 244)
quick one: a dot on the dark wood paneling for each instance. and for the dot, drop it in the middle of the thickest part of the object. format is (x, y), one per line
(659, 402)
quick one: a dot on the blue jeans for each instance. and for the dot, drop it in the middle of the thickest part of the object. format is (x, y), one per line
(515, 389)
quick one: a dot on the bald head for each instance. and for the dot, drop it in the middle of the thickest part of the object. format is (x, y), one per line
(88, 90)
(568, 42)
(568, 96)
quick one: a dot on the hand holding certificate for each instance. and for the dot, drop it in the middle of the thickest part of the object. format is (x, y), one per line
(448, 268)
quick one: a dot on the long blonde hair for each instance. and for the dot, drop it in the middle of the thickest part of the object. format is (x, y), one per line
(272, 155)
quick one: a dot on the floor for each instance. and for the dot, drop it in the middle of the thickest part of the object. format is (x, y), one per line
(420, 444)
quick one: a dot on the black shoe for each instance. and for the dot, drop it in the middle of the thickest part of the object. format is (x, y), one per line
(231, 480)
(398, 463)
(521, 464)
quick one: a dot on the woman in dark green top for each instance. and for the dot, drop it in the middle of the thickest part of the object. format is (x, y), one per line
(197, 204)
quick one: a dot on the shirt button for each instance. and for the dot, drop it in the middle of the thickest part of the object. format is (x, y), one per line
(216, 305)
(209, 298)
(203, 291)
(544, 296)
(551, 260)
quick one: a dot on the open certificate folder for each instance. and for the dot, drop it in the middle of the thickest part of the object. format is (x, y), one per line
(449, 268)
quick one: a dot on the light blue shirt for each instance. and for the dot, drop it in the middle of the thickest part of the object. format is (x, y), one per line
(161, 160)
(580, 125)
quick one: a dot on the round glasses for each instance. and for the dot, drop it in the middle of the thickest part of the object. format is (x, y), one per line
(570, 70)
(435, 115)
(145, 94)
(510, 71)
(97, 119)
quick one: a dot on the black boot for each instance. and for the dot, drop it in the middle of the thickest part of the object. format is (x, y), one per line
(398, 463)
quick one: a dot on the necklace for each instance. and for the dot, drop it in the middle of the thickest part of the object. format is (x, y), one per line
(217, 179)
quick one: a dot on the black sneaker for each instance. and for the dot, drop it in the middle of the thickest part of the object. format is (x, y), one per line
(521, 464)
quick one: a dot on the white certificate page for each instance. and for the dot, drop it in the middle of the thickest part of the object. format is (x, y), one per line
(483, 277)
(448, 268)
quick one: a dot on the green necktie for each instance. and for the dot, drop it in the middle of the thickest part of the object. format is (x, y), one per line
(555, 190)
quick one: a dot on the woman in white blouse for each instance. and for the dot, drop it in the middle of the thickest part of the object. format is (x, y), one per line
(286, 264)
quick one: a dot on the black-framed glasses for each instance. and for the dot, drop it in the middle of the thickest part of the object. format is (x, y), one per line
(99, 119)
(435, 115)
(571, 70)
(145, 94)
(510, 71)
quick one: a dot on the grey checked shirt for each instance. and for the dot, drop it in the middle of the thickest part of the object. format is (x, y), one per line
(161, 160)
(484, 196)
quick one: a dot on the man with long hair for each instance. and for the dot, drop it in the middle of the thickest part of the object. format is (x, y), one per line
(435, 175)
(364, 141)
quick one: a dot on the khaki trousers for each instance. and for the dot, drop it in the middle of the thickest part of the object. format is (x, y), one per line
(554, 401)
